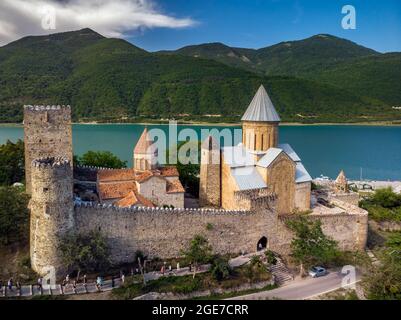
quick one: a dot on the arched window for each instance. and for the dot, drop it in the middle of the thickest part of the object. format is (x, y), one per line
(263, 142)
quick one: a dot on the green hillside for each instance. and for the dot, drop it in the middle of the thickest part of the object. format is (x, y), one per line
(333, 60)
(291, 58)
(376, 76)
(112, 80)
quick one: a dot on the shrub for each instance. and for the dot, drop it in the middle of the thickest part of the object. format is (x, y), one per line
(85, 252)
(271, 257)
(220, 269)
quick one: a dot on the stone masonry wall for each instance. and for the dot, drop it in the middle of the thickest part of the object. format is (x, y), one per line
(164, 233)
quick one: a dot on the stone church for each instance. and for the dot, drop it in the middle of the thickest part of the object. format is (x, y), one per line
(258, 164)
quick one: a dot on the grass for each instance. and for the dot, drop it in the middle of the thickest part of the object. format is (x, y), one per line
(186, 284)
(235, 293)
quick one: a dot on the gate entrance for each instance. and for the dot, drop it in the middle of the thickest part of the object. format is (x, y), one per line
(262, 244)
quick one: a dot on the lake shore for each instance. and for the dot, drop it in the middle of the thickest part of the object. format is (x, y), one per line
(231, 124)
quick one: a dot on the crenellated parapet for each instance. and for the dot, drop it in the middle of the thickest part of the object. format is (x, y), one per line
(161, 210)
(46, 108)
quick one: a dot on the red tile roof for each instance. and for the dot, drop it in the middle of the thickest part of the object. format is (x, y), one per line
(169, 171)
(116, 175)
(175, 187)
(134, 199)
(115, 190)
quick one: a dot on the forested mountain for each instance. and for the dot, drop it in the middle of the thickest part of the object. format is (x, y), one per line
(323, 57)
(113, 80)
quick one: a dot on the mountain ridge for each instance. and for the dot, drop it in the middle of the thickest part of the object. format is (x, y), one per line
(110, 79)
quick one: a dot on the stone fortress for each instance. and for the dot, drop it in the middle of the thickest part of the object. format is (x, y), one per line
(244, 203)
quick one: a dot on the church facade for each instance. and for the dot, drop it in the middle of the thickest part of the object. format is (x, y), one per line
(259, 164)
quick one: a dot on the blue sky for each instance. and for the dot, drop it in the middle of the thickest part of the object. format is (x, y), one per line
(260, 23)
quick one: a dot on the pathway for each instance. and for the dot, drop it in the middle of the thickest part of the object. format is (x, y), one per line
(33, 290)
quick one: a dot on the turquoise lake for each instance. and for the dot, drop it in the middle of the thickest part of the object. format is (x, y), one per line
(323, 149)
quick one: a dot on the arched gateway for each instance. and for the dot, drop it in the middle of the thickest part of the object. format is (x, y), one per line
(262, 244)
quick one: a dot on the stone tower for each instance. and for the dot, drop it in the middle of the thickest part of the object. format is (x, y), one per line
(52, 212)
(260, 123)
(210, 174)
(145, 153)
(47, 133)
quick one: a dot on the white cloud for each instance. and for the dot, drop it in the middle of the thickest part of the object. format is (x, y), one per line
(112, 18)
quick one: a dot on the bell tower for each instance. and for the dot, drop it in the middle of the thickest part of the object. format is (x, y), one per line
(260, 123)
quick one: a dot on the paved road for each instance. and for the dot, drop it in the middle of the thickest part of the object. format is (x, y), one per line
(301, 289)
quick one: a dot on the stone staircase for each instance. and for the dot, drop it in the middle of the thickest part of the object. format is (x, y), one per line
(282, 275)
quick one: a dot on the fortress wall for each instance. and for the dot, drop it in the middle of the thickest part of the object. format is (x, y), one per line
(164, 233)
(350, 230)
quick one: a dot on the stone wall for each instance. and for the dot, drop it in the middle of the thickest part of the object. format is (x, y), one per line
(280, 176)
(210, 175)
(164, 233)
(303, 196)
(154, 189)
(47, 133)
(348, 197)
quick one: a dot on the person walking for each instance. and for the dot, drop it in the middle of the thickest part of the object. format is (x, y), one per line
(40, 284)
(99, 283)
(10, 284)
(123, 278)
(74, 286)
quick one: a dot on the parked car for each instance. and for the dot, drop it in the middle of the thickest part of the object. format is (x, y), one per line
(316, 272)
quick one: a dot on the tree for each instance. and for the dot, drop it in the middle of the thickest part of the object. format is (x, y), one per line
(383, 282)
(12, 163)
(189, 172)
(254, 268)
(14, 215)
(85, 252)
(199, 252)
(220, 268)
(103, 159)
(310, 246)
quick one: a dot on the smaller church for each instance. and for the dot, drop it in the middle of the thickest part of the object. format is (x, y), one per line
(258, 165)
(147, 184)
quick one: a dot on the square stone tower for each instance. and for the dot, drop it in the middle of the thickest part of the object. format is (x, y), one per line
(47, 133)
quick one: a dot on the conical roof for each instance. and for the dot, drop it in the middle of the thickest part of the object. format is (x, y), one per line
(341, 179)
(261, 108)
(144, 144)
